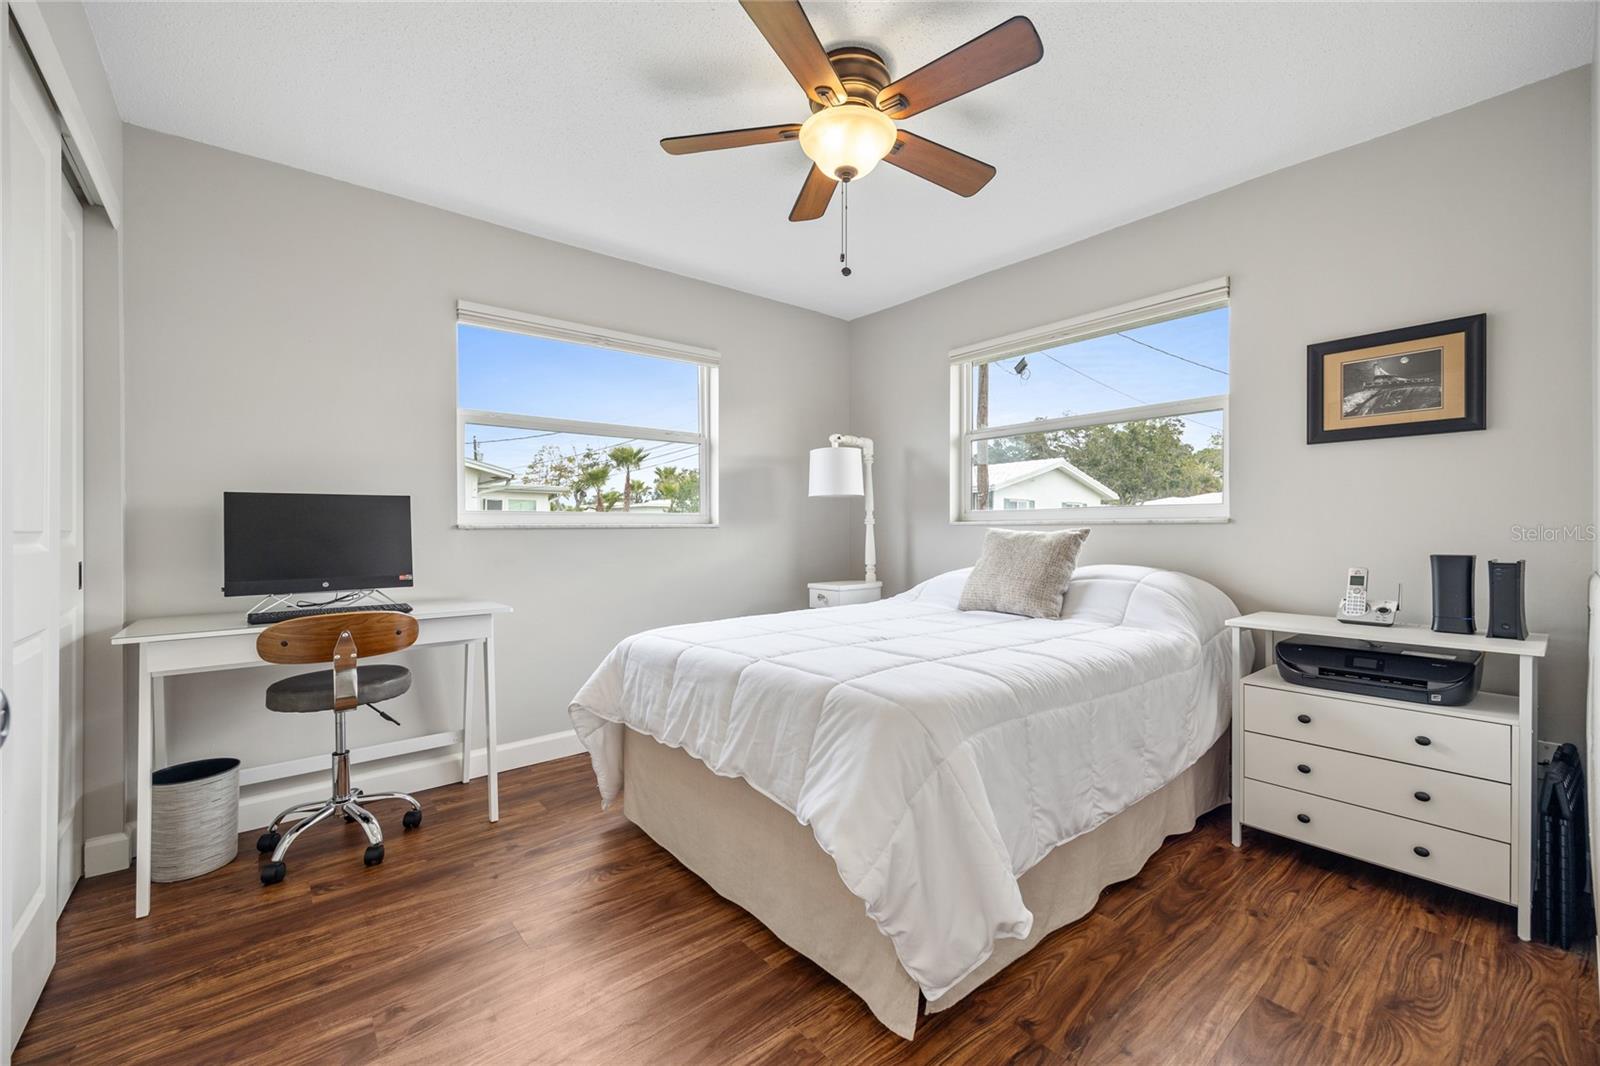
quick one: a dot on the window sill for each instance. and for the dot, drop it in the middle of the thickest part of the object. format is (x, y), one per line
(465, 522)
(1009, 518)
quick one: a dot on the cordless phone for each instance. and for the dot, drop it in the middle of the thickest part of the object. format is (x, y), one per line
(1355, 593)
(1354, 608)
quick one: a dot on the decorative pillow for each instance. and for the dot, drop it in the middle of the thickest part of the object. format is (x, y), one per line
(1023, 573)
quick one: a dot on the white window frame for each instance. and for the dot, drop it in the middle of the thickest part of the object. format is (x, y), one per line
(1179, 303)
(708, 362)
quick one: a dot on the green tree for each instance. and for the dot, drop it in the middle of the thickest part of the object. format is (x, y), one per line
(1143, 460)
(628, 459)
(682, 487)
(610, 498)
(590, 480)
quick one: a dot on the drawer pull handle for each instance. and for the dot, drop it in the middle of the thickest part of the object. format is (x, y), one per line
(1303, 819)
(1303, 768)
(1422, 796)
(1424, 741)
(1303, 719)
(1421, 851)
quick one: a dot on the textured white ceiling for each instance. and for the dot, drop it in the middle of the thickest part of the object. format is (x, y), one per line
(545, 116)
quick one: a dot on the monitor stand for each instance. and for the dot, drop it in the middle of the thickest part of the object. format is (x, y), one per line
(292, 602)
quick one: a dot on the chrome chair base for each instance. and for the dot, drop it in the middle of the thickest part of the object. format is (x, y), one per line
(309, 814)
(345, 800)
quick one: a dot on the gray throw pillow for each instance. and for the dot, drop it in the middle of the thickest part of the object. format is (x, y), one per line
(1023, 573)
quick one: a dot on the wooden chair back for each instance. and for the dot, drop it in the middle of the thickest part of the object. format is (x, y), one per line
(313, 639)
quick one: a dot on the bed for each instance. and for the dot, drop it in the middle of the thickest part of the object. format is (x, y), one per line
(912, 795)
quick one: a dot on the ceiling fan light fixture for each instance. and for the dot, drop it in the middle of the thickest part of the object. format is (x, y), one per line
(847, 140)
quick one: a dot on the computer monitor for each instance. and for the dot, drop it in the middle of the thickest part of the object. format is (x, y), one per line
(275, 543)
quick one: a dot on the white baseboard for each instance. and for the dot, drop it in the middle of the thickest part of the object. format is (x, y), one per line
(107, 854)
(259, 803)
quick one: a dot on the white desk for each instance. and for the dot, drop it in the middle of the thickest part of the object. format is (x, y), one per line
(1519, 714)
(198, 643)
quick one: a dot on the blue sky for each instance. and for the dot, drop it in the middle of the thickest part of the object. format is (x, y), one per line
(519, 374)
(1118, 371)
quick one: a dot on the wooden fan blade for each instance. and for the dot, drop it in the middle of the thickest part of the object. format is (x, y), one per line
(785, 26)
(1006, 49)
(710, 142)
(943, 166)
(814, 196)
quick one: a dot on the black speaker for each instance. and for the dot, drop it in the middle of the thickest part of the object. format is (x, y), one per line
(1452, 593)
(1508, 607)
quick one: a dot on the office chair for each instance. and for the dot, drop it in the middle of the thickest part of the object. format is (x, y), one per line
(336, 639)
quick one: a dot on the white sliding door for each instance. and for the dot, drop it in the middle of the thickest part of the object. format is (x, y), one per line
(69, 509)
(30, 552)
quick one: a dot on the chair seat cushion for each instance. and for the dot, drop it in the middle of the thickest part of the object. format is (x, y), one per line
(314, 692)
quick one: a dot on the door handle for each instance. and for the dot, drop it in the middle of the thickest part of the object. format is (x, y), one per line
(5, 718)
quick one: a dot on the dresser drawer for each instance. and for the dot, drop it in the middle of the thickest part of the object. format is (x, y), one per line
(1479, 866)
(1459, 745)
(1454, 801)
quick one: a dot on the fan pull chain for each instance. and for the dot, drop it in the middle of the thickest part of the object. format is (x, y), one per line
(844, 230)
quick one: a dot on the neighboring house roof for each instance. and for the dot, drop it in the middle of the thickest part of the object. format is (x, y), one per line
(489, 468)
(1006, 475)
(536, 490)
(1200, 497)
(651, 505)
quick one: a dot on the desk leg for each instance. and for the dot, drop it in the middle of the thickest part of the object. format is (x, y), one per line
(1527, 775)
(145, 741)
(158, 720)
(493, 744)
(466, 714)
(1236, 771)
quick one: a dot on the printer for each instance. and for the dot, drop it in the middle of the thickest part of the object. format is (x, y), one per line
(1360, 667)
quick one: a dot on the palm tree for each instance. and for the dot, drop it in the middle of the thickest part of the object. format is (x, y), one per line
(629, 459)
(594, 478)
(611, 498)
(667, 478)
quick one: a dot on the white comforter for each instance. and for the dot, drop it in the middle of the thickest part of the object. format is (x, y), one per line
(936, 754)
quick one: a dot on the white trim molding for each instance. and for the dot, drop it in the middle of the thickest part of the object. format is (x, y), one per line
(1178, 303)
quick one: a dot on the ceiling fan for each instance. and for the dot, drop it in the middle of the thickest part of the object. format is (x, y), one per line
(855, 105)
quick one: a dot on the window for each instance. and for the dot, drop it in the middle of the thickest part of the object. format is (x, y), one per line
(1120, 415)
(568, 425)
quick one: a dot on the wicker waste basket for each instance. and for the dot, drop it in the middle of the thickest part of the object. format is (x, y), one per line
(194, 818)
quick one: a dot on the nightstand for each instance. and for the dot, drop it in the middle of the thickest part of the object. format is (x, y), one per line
(839, 593)
(1442, 793)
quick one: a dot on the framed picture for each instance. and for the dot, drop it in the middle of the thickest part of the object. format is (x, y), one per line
(1421, 379)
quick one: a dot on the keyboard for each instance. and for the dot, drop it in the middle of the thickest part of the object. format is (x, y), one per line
(266, 618)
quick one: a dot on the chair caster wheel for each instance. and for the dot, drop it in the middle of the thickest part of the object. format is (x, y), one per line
(348, 819)
(412, 819)
(374, 855)
(266, 843)
(272, 872)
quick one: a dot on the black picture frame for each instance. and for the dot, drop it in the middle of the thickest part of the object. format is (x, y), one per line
(1474, 329)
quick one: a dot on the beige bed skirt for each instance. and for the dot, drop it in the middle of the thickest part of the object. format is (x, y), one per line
(754, 853)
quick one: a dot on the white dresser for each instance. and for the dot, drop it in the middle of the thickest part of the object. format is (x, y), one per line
(1444, 793)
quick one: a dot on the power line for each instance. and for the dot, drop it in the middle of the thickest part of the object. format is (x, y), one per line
(1174, 355)
(1119, 392)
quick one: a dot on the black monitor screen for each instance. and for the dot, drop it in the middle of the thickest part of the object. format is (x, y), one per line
(280, 542)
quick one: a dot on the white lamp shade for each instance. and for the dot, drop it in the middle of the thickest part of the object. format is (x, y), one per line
(836, 471)
(846, 141)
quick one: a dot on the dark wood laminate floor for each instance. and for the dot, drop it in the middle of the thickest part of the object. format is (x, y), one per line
(564, 934)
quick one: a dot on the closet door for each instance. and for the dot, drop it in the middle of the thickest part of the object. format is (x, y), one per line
(30, 368)
(69, 509)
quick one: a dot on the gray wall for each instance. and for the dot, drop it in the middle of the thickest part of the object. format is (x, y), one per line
(267, 311)
(289, 332)
(1487, 209)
